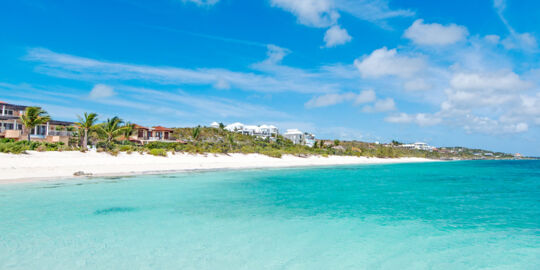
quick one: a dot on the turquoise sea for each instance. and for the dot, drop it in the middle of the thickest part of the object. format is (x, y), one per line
(451, 215)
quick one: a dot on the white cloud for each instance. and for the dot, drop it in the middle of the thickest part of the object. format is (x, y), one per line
(519, 41)
(101, 91)
(202, 2)
(376, 11)
(275, 77)
(382, 105)
(417, 85)
(382, 62)
(276, 54)
(325, 13)
(420, 119)
(315, 13)
(524, 41)
(505, 81)
(335, 36)
(435, 34)
(365, 96)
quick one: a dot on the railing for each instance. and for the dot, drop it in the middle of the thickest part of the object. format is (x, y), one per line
(60, 133)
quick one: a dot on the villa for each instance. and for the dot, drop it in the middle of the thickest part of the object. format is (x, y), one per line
(145, 135)
(299, 137)
(418, 146)
(263, 131)
(12, 128)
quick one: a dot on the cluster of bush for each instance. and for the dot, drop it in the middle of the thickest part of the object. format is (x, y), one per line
(20, 147)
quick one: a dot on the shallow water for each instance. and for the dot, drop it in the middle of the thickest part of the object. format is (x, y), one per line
(452, 215)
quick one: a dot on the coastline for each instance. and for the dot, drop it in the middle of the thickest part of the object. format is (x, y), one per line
(45, 166)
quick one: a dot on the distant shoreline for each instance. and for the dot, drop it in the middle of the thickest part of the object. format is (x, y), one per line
(46, 166)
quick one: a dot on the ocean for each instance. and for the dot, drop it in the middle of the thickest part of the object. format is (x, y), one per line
(440, 215)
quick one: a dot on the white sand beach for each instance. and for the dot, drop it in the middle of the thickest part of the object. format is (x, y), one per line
(36, 166)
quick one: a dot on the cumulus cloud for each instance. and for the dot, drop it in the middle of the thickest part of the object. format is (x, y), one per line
(383, 62)
(365, 96)
(435, 34)
(315, 13)
(325, 13)
(335, 36)
(101, 91)
(382, 105)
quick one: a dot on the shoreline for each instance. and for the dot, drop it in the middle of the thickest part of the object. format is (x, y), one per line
(50, 166)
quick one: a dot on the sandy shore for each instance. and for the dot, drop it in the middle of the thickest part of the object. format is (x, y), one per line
(36, 166)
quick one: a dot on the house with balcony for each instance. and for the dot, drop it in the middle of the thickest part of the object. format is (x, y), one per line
(11, 126)
(299, 137)
(262, 131)
(144, 135)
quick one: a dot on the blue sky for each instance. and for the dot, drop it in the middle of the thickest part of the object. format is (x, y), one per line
(444, 72)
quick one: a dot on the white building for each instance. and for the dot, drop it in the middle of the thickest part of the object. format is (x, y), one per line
(214, 125)
(299, 137)
(309, 139)
(418, 146)
(263, 131)
(295, 135)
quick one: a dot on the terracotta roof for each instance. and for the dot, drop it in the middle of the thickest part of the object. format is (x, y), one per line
(135, 126)
(160, 128)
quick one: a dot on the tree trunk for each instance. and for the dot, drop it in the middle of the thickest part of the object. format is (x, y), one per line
(28, 131)
(85, 139)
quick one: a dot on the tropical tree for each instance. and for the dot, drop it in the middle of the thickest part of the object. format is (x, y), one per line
(86, 123)
(221, 126)
(195, 133)
(32, 117)
(128, 130)
(110, 129)
(230, 137)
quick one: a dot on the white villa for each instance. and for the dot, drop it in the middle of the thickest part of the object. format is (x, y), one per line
(214, 125)
(299, 137)
(418, 146)
(264, 131)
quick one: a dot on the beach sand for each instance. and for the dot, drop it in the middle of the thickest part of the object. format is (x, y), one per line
(36, 166)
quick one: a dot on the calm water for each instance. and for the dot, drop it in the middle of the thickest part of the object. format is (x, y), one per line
(455, 215)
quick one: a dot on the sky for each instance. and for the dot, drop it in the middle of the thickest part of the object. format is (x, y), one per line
(449, 73)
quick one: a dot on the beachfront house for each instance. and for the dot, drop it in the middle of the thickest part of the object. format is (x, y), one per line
(295, 135)
(299, 137)
(11, 126)
(263, 131)
(145, 135)
(418, 146)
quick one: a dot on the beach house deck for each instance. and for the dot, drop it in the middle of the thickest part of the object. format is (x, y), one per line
(12, 128)
(144, 135)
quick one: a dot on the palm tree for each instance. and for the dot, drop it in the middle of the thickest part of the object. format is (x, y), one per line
(110, 129)
(86, 123)
(32, 117)
(230, 137)
(196, 132)
(128, 130)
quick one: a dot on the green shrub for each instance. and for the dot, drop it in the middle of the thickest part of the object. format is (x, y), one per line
(271, 153)
(158, 152)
